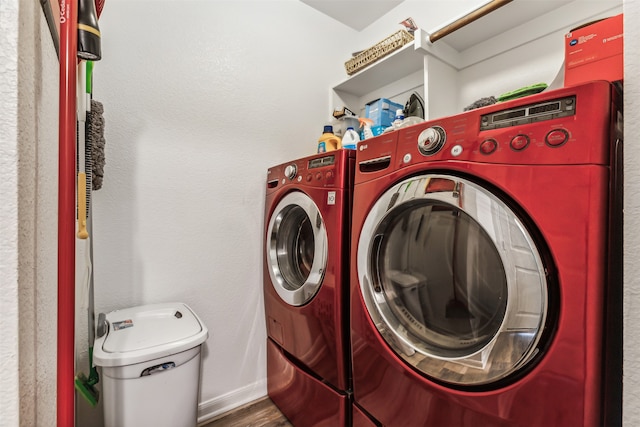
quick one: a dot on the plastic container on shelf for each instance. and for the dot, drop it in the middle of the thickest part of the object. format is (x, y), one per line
(328, 141)
(350, 139)
(343, 123)
(382, 111)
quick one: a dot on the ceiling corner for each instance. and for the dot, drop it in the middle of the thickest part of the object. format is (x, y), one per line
(357, 14)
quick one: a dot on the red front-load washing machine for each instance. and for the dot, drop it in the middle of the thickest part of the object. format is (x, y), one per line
(486, 284)
(306, 286)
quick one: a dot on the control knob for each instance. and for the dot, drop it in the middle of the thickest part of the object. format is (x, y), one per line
(431, 140)
(291, 171)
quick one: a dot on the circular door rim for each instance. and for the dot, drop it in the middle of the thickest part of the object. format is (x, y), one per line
(312, 284)
(527, 297)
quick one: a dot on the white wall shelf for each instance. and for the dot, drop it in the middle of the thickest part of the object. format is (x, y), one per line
(399, 63)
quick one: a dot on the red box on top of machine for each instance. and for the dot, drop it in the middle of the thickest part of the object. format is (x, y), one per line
(594, 52)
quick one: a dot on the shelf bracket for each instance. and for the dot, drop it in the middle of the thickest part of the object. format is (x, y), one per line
(441, 51)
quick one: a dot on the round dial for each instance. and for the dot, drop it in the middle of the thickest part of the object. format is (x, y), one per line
(290, 171)
(431, 140)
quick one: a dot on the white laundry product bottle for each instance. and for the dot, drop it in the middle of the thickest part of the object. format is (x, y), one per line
(350, 139)
(397, 121)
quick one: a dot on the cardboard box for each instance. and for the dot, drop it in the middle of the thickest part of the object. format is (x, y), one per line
(594, 52)
(382, 111)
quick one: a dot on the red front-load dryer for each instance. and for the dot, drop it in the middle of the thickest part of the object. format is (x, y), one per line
(307, 226)
(485, 280)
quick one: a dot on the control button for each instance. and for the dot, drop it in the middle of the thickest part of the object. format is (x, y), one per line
(519, 142)
(406, 158)
(456, 150)
(488, 146)
(300, 178)
(329, 174)
(556, 137)
(309, 178)
(318, 176)
(291, 171)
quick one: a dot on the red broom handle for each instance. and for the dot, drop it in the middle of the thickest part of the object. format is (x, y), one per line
(66, 213)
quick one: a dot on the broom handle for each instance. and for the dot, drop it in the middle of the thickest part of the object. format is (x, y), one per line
(82, 147)
(82, 206)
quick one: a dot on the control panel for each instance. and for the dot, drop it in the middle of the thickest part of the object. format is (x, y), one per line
(532, 113)
(548, 128)
(575, 125)
(319, 170)
(322, 161)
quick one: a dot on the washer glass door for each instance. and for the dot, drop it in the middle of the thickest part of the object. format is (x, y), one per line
(296, 248)
(452, 280)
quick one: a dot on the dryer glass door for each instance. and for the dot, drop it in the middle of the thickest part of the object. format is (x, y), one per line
(452, 280)
(296, 248)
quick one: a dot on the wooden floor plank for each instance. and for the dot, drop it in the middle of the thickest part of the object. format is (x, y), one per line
(260, 413)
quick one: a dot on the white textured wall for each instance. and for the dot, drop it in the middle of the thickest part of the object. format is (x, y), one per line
(41, 110)
(631, 363)
(9, 390)
(200, 98)
(28, 168)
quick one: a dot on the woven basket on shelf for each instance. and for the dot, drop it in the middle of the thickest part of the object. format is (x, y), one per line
(377, 51)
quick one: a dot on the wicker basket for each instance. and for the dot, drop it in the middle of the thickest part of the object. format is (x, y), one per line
(377, 51)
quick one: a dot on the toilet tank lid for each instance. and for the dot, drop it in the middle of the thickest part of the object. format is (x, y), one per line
(148, 332)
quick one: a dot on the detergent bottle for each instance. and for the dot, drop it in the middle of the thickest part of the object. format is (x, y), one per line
(328, 141)
(350, 139)
(397, 122)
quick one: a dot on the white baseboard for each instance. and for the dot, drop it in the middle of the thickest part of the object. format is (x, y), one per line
(221, 404)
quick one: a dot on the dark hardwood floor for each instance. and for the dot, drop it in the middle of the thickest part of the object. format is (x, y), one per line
(260, 413)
